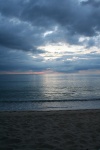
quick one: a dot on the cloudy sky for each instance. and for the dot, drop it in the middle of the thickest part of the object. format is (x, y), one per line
(42, 36)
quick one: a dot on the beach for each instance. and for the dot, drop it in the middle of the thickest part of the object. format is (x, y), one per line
(50, 130)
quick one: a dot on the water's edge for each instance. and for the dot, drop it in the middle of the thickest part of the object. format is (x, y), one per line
(47, 106)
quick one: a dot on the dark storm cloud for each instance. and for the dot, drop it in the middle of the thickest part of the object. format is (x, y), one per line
(71, 17)
(69, 14)
(82, 62)
(17, 35)
(94, 3)
(19, 61)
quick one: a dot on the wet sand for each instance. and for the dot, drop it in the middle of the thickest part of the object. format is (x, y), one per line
(50, 130)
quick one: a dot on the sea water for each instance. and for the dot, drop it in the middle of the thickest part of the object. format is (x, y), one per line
(49, 92)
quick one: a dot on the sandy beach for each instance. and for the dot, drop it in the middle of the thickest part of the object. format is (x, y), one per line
(52, 130)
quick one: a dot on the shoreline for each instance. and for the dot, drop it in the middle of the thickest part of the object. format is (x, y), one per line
(48, 111)
(50, 130)
(49, 106)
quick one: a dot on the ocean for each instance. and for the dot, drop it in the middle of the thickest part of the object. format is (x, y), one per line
(49, 92)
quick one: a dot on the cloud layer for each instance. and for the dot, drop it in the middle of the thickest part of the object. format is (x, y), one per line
(28, 28)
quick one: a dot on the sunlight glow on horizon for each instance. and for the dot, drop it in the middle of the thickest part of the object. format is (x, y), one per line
(51, 72)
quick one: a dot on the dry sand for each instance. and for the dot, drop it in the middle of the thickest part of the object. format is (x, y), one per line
(54, 130)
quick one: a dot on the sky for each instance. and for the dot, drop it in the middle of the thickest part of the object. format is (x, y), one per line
(49, 36)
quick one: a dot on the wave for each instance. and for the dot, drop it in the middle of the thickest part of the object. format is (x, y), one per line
(40, 101)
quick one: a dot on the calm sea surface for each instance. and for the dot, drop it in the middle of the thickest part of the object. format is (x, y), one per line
(49, 92)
